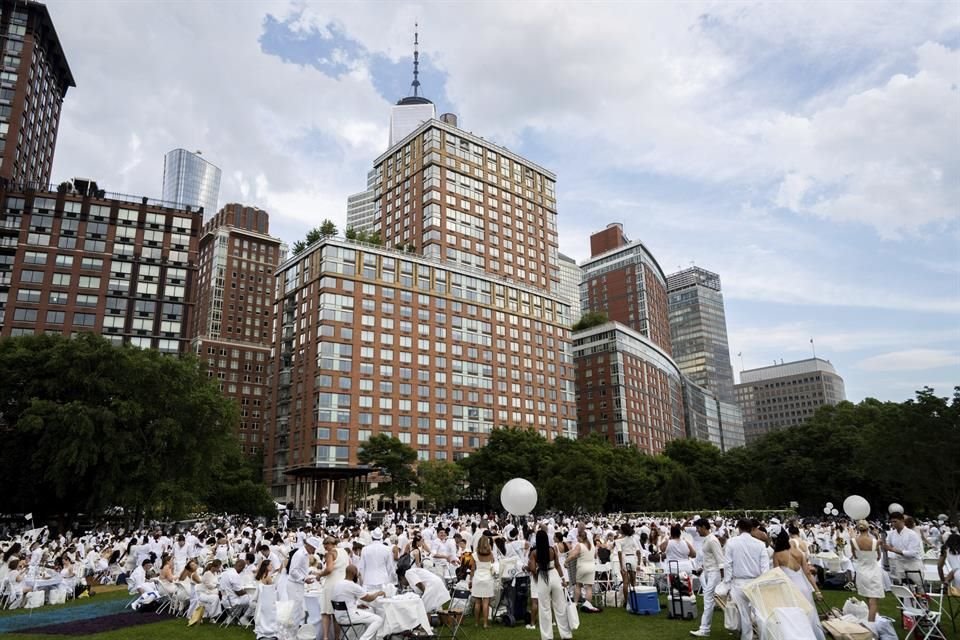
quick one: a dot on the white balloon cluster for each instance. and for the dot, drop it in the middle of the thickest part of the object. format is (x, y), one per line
(829, 510)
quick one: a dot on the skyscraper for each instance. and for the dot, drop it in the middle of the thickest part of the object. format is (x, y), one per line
(34, 79)
(191, 181)
(785, 395)
(233, 322)
(698, 334)
(362, 206)
(570, 277)
(623, 279)
(412, 111)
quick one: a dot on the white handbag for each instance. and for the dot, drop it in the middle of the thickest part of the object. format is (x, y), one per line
(573, 615)
(35, 599)
(731, 616)
(58, 596)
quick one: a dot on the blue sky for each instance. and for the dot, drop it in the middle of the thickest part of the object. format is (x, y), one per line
(807, 152)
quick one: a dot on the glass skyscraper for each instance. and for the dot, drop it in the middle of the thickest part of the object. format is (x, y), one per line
(191, 181)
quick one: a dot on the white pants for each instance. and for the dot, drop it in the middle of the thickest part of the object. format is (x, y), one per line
(550, 595)
(743, 605)
(295, 595)
(709, 581)
(367, 617)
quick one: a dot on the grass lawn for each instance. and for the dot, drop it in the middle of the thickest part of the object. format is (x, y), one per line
(612, 624)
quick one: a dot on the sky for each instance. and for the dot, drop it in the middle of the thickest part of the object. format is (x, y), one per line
(808, 152)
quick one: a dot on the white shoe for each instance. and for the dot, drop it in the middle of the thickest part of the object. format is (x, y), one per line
(700, 633)
(531, 627)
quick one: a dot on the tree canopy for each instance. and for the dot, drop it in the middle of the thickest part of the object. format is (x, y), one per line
(590, 319)
(327, 229)
(394, 461)
(88, 426)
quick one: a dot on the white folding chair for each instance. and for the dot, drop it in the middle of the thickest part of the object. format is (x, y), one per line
(926, 622)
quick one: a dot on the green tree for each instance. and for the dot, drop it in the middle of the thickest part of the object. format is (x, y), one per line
(351, 233)
(574, 478)
(327, 229)
(440, 482)
(394, 461)
(591, 319)
(89, 426)
(704, 462)
(514, 452)
(238, 487)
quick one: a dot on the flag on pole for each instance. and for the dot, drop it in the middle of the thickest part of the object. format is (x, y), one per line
(29, 516)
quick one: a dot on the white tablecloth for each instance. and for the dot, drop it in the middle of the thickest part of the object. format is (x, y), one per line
(311, 604)
(401, 613)
(45, 583)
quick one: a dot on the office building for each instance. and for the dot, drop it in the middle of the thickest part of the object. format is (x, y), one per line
(698, 335)
(191, 181)
(362, 207)
(233, 327)
(373, 340)
(628, 388)
(78, 259)
(623, 279)
(698, 330)
(411, 112)
(34, 79)
(569, 288)
(785, 395)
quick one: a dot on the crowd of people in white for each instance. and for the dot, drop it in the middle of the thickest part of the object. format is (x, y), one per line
(277, 579)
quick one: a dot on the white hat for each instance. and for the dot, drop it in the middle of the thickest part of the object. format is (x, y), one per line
(376, 534)
(314, 542)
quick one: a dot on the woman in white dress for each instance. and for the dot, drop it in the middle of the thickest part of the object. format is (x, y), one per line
(866, 556)
(585, 555)
(334, 570)
(949, 564)
(678, 550)
(793, 563)
(482, 581)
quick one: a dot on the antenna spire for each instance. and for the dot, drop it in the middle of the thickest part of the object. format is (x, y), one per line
(416, 59)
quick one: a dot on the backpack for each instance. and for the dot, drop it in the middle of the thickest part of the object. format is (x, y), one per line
(603, 555)
(404, 562)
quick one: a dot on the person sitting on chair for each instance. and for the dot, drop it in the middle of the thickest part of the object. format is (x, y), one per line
(138, 583)
(234, 596)
(350, 593)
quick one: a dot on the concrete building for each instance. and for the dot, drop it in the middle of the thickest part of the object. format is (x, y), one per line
(34, 78)
(362, 207)
(785, 395)
(78, 259)
(570, 277)
(624, 280)
(372, 340)
(698, 335)
(629, 389)
(191, 181)
(233, 325)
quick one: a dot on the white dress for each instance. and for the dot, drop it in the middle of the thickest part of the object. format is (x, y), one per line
(953, 564)
(869, 572)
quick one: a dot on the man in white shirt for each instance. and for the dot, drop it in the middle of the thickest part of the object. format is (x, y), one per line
(444, 553)
(299, 574)
(429, 586)
(349, 592)
(233, 593)
(138, 583)
(745, 559)
(713, 561)
(376, 563)
(906, 549)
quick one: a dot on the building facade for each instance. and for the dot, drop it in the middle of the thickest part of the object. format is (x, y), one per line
(569, 288)
(362, 207)
(624, 280)
(629, 389)
(372, 340)
(233, 324)
(78, 260)
(698, 335)
(450, 195)
(786, 395)
(191, 181)
(34, 79)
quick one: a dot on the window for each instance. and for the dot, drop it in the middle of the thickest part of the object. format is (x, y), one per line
(61, 279)
(89, 282)
(84, 319)
(31, 276)
(91, 263)
(58, 297)
(25, 315)
(35, 257)
(87, 301)
(64, 261)
(54, 317)
(28, 295)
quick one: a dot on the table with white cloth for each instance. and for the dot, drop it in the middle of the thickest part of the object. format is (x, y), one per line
(401, 613)
(313, 604)
(43, 584)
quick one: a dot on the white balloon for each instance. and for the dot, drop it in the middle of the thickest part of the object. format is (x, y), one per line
(826, 510)
(856, 507)
(834, 512)
(829, 505)
(895, 508)
(518, 497)
(942, 517)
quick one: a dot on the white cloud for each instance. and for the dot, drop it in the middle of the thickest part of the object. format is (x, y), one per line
(912, 360)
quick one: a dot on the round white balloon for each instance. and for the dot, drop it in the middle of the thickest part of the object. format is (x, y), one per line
(942, 517)
(856, 507)
(834, 512)
(895, 508)
(829, 505)
(518, 497)
(826, 510)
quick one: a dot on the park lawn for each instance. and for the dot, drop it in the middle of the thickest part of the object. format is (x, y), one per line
(120, 594)
(612, 624)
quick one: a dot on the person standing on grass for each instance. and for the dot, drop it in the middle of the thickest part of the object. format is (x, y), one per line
(745, 558)
(544, 567)
(713, 560)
